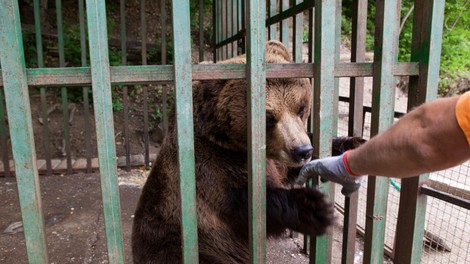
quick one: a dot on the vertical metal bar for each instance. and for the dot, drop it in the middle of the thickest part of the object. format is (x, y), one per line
(85, 90)
(65, 107)
(298, 34)
(256, 103)
(214, 30)
(242, 11)
(356, 94)
(163, 55)
(325, 95)
(272, 11)
(426, 49)
(184, 126)
(125, 92)
(3, 136)
(229, 27)
(235, 26)
(383, 103)
(201, 30)
(311, 16)
(285, 24)
(223, 21)
(101, 81)
(143, 30)
(39, 50)
(21, 130)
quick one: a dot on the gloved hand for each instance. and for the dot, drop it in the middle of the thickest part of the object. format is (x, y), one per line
(332, 169)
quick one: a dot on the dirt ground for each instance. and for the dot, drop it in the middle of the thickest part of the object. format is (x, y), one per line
(75, 228)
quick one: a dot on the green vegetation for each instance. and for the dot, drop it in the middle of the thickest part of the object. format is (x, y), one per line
(455, 57)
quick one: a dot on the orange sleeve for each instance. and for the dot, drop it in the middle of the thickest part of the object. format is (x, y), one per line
(462, 112)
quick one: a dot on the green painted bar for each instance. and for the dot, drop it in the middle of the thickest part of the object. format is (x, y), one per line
(185, 129)
(143, 34)
(101, 81)
(383, 104)
(65, 107)
(355, 124)
(426, 49)
(125, 97)
(256, 103)
(40, 62)
(235, 26)
(86, 104)
(229, 27)
(272, 12)
(79, 76)
(298, 34)
(284, 29)
(325, 94)
(201, 30)
(21, 130)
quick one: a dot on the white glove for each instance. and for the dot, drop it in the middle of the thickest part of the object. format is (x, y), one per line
(333, 169)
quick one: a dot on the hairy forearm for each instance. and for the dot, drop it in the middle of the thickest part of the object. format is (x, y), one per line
(426, 139)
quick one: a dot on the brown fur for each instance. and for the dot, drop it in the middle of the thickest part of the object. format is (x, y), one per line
(220, 135)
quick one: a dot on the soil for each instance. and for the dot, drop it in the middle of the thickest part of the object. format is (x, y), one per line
(74, 222)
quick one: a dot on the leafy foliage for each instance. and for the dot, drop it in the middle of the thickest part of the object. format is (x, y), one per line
(455, 55)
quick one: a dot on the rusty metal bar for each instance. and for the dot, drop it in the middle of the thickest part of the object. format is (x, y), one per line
(143, 33)
(3, 136)
(443, 196)
(355, 124)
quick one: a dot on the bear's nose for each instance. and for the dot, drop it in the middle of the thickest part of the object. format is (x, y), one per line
(302, 153)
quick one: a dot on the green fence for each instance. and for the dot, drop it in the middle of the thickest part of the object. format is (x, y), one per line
(238, 26)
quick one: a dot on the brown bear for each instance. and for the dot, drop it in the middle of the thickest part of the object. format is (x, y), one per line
(220, 140)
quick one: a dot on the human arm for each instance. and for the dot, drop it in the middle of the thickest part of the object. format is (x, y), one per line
(427, 139)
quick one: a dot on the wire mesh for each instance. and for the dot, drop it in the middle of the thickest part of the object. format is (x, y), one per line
(447, 226)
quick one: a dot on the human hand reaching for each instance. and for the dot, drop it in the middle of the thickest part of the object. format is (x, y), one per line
(333, 169)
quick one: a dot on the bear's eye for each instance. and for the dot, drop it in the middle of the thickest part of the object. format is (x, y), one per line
(270, 120)
(301, 111)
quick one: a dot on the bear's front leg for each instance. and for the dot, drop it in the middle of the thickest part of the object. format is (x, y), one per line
(303, 210)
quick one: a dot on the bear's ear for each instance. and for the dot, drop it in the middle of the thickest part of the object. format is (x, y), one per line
(276, 52)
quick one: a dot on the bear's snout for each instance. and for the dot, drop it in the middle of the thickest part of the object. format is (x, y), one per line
(302, 153)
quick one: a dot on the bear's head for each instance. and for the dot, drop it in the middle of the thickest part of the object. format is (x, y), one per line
(221, 112)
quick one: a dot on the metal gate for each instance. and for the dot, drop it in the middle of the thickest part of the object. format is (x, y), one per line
(239, 26)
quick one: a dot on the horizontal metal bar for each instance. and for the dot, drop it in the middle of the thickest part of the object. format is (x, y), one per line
(290, 12)
(81, 76)
(240, 34)
(446, 197)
